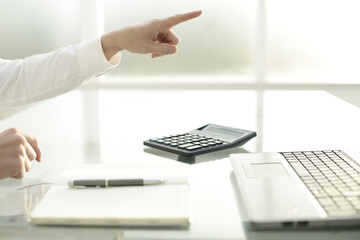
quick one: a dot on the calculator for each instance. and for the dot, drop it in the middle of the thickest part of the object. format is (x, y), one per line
(208, 138)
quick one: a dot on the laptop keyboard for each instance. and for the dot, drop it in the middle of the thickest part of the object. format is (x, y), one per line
(332, 177)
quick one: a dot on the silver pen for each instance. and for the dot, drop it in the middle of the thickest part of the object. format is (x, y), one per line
(84, 183)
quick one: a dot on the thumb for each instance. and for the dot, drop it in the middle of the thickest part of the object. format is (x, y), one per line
(163, 49)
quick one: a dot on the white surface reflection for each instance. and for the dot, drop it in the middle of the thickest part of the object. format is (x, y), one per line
(284, 120)
(309, 120)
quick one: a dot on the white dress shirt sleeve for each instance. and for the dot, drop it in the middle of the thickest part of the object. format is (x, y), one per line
(48, 75)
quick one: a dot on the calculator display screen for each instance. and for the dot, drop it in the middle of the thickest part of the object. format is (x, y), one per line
(224, 131)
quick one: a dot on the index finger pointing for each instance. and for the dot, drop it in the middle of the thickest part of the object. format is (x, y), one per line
(169, 22)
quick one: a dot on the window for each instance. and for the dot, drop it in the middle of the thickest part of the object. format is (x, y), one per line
(237, 45)
(278, 41)
(220, 42)
(313, 41)
(38, 26)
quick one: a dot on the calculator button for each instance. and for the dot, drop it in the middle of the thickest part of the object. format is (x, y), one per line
(174, 144)
(167, 142)
(160, 140)
(204, 145)
(185, 145)
(193, 147)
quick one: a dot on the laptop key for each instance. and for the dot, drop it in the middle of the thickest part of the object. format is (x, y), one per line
(300, 170)
(352, 194)
(340, 212)
(332, 191)
(327, 201)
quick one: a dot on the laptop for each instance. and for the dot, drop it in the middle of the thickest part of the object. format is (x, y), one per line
(302, 189)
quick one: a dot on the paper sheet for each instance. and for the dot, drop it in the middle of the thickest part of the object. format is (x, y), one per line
(163, 204)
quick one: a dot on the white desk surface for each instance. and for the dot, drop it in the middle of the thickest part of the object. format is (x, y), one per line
(281, 119)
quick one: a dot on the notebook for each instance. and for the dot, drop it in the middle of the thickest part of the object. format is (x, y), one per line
(166, 204)
(301, 189)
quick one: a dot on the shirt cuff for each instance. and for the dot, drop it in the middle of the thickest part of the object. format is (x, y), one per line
(91, 58)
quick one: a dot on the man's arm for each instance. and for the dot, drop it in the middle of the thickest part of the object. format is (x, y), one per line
(48, 75)
(44, 76)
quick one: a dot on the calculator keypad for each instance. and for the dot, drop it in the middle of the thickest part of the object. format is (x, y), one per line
(188, 141)
(206, 139)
